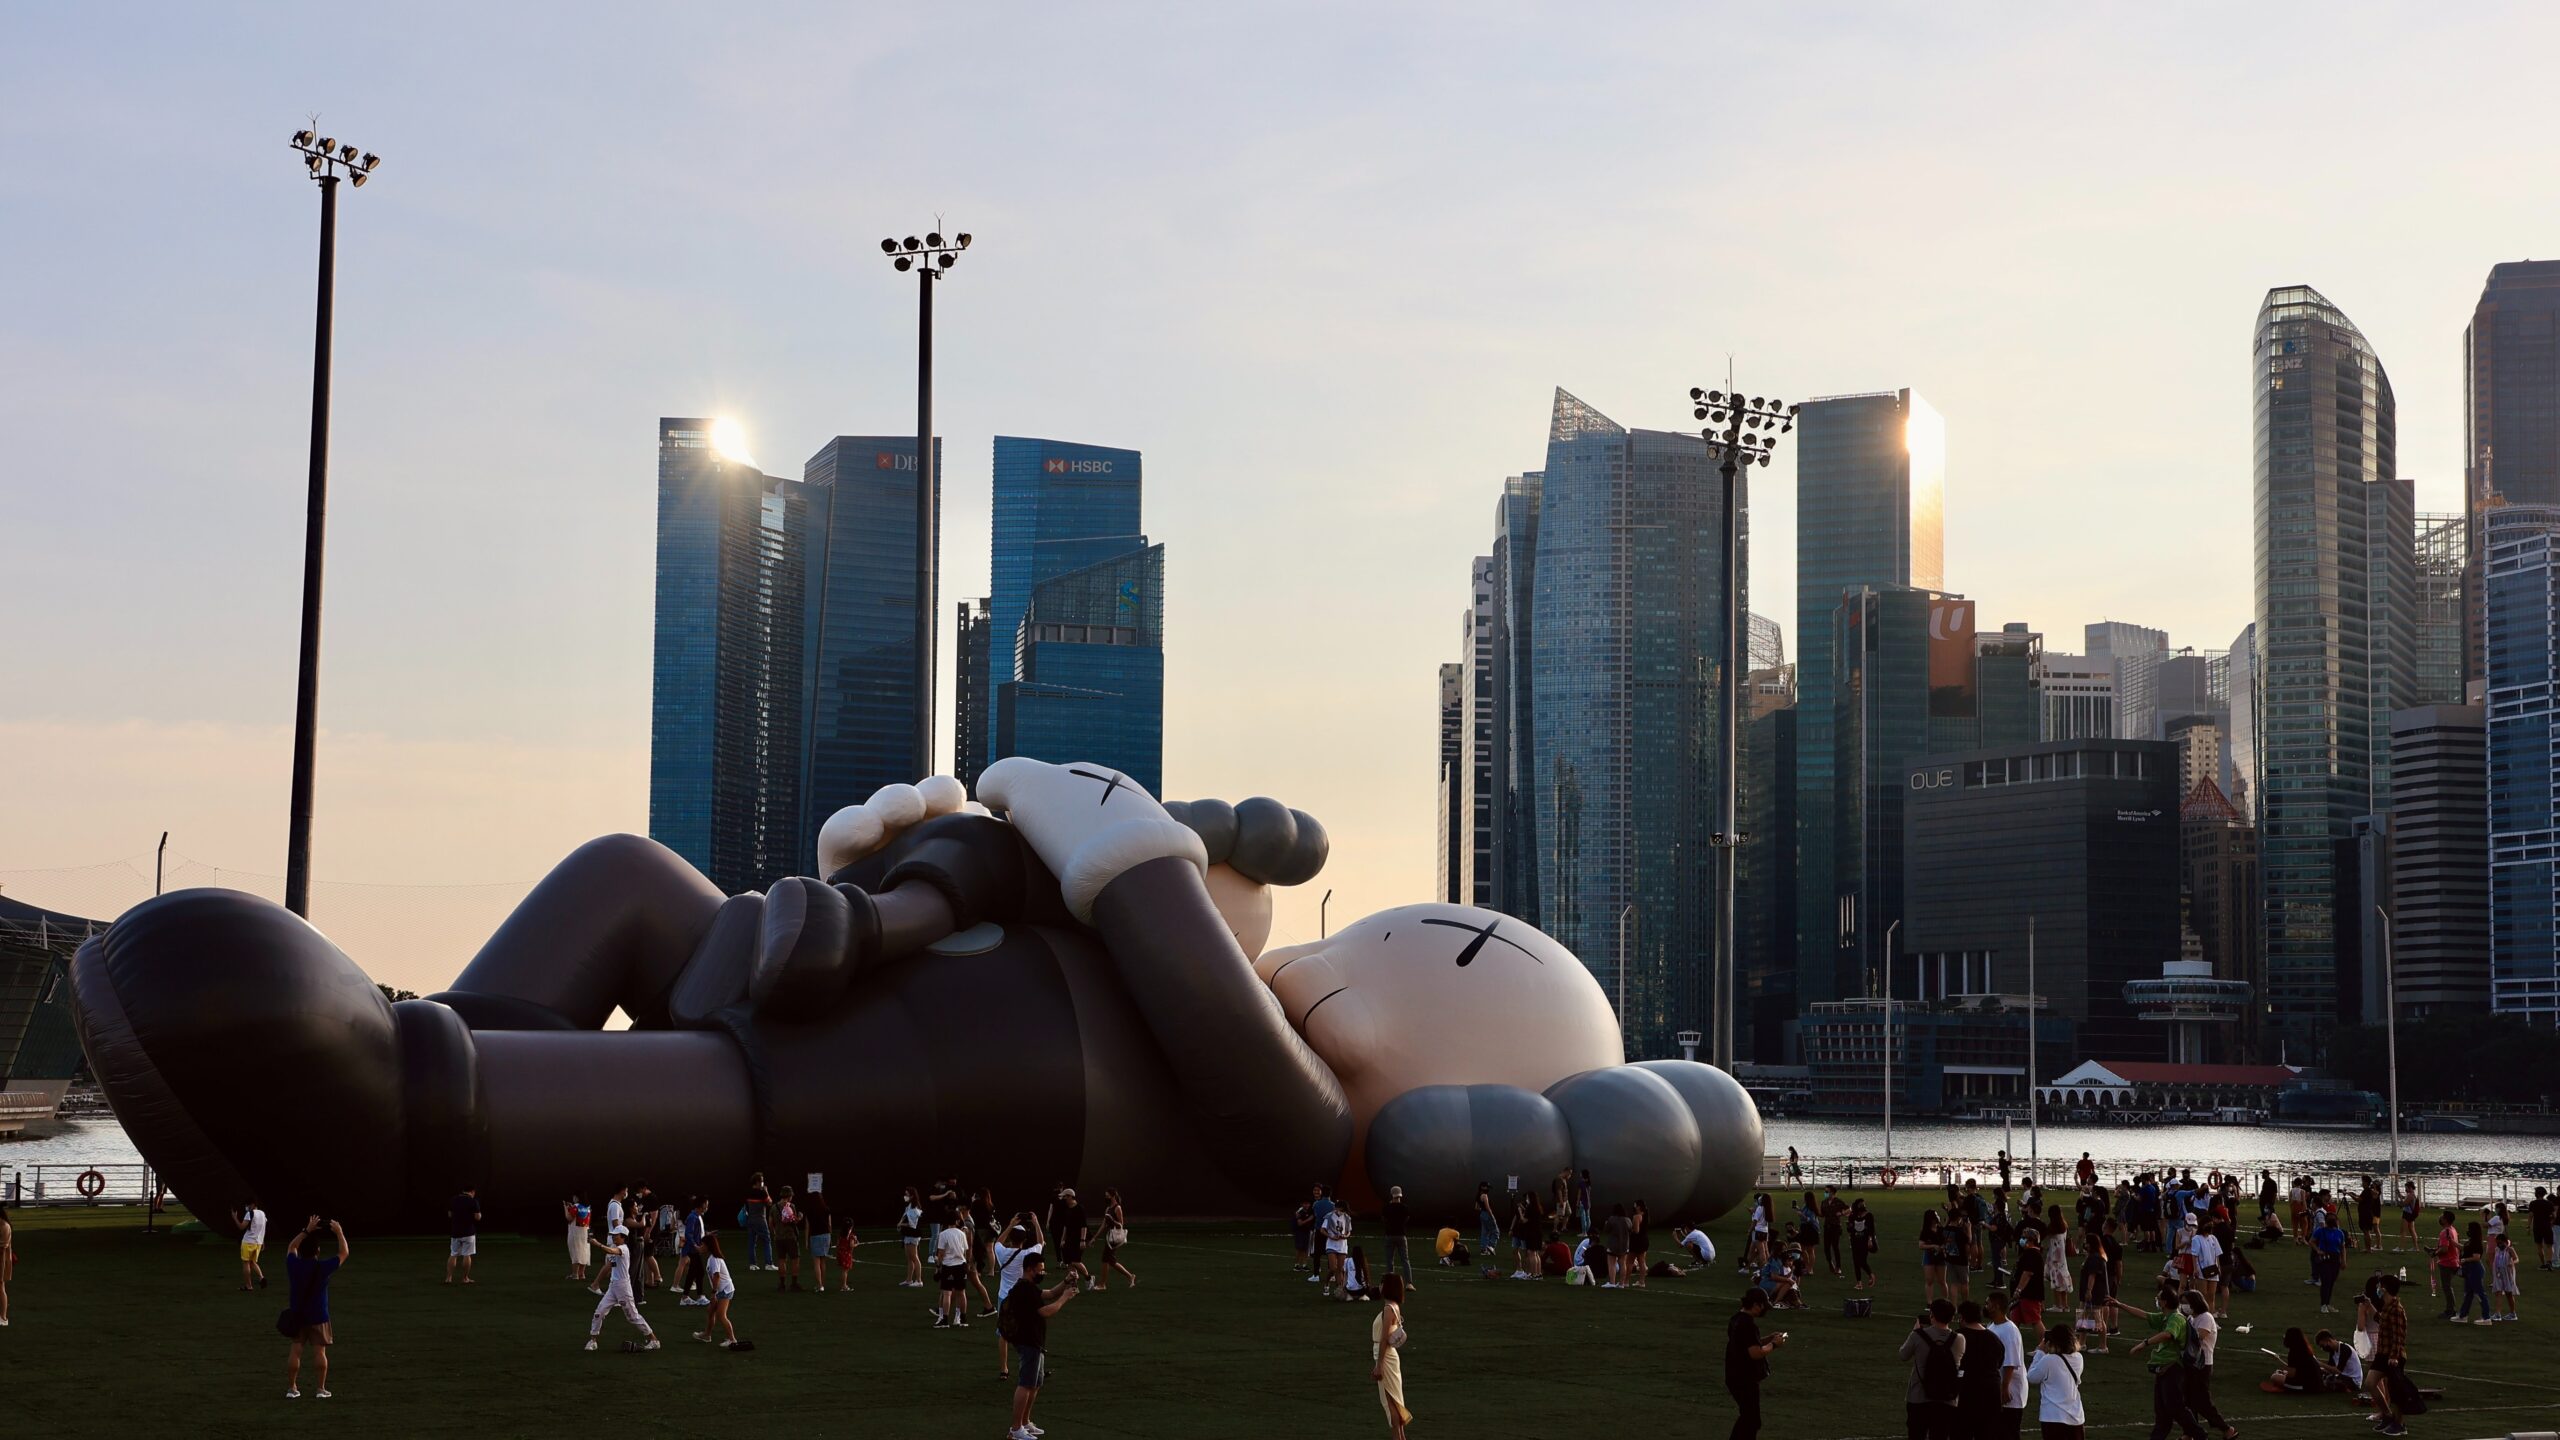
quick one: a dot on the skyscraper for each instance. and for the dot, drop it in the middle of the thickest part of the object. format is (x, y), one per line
(973, 701)
(2218, 856)
(1628, 610)
(1514, 743)
(2521, 612)
(1914, 677)
(1870, 499)
(2511, 429)
(1450, 870)
(2079, 693)
(2444, 556)
(2132, 653)
(2440, 858)
(1085, 679)
(2325, 422)
(1476, 639)
(858, 554)
(725, 705)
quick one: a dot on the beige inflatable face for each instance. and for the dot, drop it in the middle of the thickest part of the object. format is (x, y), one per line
(1442, 995)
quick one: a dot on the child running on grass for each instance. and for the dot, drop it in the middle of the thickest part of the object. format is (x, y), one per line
(722, 1289)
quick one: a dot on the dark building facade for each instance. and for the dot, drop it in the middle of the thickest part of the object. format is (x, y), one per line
(973, 702)
(2511, 427)
(859, 564)
(2440, 858)
(2076, 840)
(1451, 787)
(1764, 903)
(2218, 855)
(727, 673)
(1912, 677)
(1952, 1054)
(1870, 503)
(1514, 728)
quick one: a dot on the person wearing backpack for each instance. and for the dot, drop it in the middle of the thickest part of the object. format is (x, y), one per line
(1935, 1353)
(2174, 1349)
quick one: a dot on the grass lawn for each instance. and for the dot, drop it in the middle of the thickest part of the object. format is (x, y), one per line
(116, 1333)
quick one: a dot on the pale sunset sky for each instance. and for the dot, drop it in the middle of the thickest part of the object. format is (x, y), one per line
(1323, 264)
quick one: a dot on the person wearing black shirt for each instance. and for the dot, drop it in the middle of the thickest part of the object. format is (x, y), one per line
(1393, 1217)
(1746, 1361)
(1069, 1235)
(1832, 1209)
(1023, 1320)
(1862, 1244)
(1978, 1379)
(2540, 1214)
(466, 1234)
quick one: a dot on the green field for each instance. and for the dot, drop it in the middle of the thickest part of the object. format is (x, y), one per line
(117, 1333)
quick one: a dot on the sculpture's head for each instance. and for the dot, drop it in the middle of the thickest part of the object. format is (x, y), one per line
(1439, 994)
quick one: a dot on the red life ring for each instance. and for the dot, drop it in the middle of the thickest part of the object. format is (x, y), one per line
(1889, 1177)
(91, 1184)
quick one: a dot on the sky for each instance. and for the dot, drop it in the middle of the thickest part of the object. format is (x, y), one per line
(1324, 264)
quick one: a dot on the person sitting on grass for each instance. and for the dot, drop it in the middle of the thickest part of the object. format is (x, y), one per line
(306, 1316)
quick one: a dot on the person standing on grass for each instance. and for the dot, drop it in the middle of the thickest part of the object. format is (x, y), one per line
(1933, 1257)
(2409, 1216)
(697, 1229)
(1393, 1220)
(2167, 1360)
(2388, 1372)
(1639, 1242)
(950, 1273)
(1302, 1232)
(758, 1218)
(1386, 1362)
(465, 1241)
(723, 1289)
(789, 1236)
(2013, 1367)
(1832, 1211)
(1073, 1230)
(1488, 1224)
(2539, 1213)
(2447, 1270)
(1021, 1240)
(1935, 1353)
(1115, 1236)
(2199, 1376)
(620, 1253)
(910, 1237)
(1861, 1224)
(2369, 1213)
(819, 1224)
(2328, 1258)
(1980, 1377)
(1746, 1361)
(306, 1281)
(253, 1241)
(579, 1215)
(2055, 1372)
(1319, 1206)
(1023, 1319)
(8, 1262)
(1615, 1233)
(2475, 1273)
(2503, 1290)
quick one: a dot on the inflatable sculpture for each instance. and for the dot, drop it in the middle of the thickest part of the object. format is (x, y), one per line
(1061, 981)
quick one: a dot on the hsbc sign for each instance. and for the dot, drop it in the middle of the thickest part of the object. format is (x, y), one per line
(1077, 467)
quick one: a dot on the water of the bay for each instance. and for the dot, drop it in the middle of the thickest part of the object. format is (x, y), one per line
(1972, 1148)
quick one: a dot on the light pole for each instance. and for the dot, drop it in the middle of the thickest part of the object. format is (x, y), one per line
(1324, 909)
(928, 257)
(2035, 1112)
(1888, 1040)
(2391, 1043)
(325, 158)
(1623, 912)
(1739, 433)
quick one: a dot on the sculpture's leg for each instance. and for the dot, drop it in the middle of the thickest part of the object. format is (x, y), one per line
(612, 925)
(586, 1112)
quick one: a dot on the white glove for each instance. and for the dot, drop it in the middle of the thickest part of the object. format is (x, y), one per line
(859, 830)
(1089, 824)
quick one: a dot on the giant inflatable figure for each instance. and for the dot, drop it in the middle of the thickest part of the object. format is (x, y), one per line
(1062, 981)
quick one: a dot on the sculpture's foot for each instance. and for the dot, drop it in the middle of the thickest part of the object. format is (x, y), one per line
(246, 1056)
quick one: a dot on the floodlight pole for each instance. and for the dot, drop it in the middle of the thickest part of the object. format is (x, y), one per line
(306, 693)
(927, 542)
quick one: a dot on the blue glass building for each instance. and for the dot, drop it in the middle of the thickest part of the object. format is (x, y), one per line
(859, 554)
(2521, 615)
(1870, 499)
(727, 667)
(1074, 653)
(1514, 728)
(1628, 616)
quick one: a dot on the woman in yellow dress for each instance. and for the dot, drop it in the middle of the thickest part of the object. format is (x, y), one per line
(1386, 1364)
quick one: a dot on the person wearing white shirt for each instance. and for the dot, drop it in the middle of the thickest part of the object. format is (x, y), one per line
(2206, 1247)
(1021, 1237)
(617, 1293)
(718, 1284)
(951, 1272)
(2199, 1380)
(253, 1239)
(2055, 1372)
(1697, 1243)
(2013, 1364)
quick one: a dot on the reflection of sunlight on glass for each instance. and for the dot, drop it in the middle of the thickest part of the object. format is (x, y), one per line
(1924, 434)
(730, 439)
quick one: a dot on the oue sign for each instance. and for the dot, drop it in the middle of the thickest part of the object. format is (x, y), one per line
(1939, 779)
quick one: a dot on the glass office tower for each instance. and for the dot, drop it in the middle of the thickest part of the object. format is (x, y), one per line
(2325, 421)
(1870, 500)
(860, 548)
(1476, 640)
(973, 702)
(1089, 654)
(726, 675)
(2522, 614)
(1629, 617)
(1064, 509)
(1515, 820)
(2511, 428)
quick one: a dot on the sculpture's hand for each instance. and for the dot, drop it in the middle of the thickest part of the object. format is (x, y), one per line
(1089, 824)
(1252, 846)
(857, 832)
